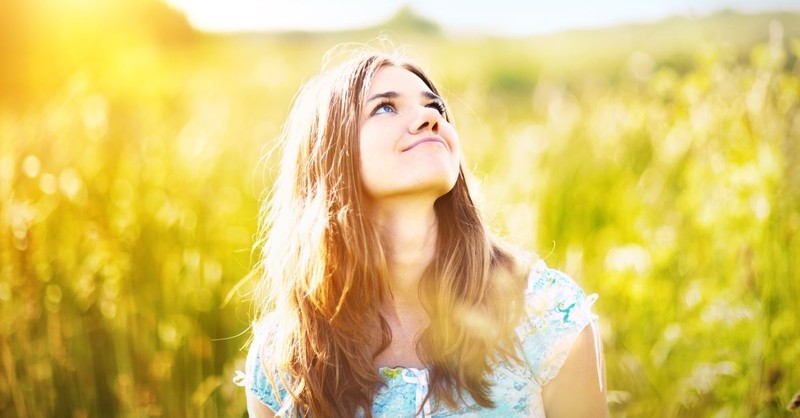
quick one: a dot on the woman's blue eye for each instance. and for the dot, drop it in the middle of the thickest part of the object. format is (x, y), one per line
(384, 108)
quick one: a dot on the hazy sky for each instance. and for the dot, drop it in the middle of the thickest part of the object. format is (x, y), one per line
(500, 17)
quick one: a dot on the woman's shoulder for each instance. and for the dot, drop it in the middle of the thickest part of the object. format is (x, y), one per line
(548, 287)
(556, 311)
(259, 378)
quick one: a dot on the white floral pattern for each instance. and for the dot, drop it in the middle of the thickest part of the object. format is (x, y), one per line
(557, 311)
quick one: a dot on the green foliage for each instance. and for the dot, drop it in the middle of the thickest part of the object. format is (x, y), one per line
(667, 182)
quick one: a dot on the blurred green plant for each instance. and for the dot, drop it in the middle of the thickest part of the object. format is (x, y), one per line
(666, 179)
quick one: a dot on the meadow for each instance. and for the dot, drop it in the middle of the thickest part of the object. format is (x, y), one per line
(659, 165)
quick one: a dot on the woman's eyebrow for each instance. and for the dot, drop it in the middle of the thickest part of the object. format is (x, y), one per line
(431, 95)
(394, 95)
(385, 95)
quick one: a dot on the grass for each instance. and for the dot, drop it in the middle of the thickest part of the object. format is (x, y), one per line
(662, 174)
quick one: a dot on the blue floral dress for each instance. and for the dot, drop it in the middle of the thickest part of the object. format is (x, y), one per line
(557, 312)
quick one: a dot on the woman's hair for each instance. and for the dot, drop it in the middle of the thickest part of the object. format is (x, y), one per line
(323, 271)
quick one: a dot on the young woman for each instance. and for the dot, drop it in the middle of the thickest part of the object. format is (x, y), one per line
(381, 291)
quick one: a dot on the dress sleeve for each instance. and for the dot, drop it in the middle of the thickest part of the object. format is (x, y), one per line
(255, 380)
(557, 311)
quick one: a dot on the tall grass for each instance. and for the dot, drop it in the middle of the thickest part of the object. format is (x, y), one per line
(128, 203)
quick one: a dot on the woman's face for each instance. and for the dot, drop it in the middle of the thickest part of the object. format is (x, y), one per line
(407, 147)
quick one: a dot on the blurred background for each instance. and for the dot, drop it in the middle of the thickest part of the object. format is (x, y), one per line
(652, 152)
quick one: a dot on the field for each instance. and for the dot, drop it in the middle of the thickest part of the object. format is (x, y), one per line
(659, 165)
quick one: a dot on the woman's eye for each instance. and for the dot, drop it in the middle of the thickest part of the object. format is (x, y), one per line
(384, 108)
(439, 106)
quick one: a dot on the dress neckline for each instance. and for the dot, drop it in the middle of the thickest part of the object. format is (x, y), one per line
(395, 372)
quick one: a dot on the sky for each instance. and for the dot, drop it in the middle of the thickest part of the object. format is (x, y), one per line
(497, 17)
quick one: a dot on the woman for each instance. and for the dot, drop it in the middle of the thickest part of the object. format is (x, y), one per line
(381, 291)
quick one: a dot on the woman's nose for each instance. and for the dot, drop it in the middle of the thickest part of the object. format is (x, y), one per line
(427, 118)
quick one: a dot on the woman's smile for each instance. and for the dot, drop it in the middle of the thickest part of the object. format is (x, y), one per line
(429, 140)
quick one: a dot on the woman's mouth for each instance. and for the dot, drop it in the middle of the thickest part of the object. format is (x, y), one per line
(429, 140)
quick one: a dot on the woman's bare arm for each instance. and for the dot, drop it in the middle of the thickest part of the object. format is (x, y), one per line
(575, 391)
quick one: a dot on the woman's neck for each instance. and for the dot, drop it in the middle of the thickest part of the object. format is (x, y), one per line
(409, 235)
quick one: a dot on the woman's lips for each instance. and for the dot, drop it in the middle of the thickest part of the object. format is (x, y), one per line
(426, 140)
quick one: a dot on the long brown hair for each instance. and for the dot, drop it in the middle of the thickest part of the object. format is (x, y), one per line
(322, 275)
